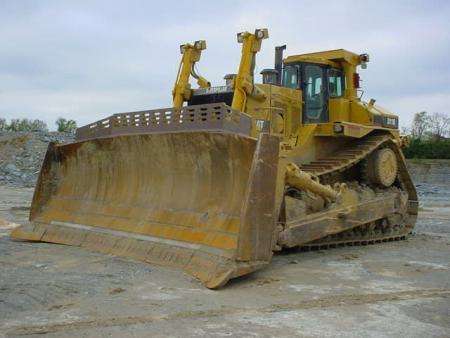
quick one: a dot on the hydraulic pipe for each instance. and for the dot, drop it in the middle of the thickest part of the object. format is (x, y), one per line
(301, 180)
(182, 89)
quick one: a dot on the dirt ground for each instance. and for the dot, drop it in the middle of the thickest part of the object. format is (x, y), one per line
(395, 289)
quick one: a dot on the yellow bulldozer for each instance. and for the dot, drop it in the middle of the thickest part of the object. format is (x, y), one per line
(231, 174)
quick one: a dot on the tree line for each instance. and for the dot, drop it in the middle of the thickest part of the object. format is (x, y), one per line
(429, 136)
(63, 125)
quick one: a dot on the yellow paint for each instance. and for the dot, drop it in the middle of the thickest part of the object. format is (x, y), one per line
(195, 188)
(339, 109)
(243, 83)
(336, 55)
(182, 89)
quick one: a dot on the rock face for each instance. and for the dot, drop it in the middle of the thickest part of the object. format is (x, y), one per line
(432, 180)
(21, 155)
(430, 171)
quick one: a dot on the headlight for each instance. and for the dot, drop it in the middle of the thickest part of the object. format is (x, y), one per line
(182, 48)
(200, 44)
(262, 33)
(338, 128)
(240, 37)
(364, 58)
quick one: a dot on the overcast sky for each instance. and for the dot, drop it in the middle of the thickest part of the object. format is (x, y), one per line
(85, 60)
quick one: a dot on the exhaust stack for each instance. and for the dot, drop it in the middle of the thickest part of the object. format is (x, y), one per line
(279, 61)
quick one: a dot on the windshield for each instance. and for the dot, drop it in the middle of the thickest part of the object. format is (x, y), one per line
(291, 76)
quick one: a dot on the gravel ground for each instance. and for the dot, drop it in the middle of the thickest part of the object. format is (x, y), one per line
(395, 289)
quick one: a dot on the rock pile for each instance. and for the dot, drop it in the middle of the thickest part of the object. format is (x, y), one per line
(21, 155)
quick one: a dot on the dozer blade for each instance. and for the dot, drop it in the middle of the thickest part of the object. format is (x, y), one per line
(200, 201)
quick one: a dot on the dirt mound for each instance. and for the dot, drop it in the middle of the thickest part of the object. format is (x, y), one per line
(21, 155)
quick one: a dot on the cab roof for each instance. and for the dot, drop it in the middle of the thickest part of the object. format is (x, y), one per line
(329, 57)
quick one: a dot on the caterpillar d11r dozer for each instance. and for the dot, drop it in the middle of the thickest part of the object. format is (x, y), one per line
(217, 185)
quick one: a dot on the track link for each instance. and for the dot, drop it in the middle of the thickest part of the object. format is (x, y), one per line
(346, 157)
(358, 237)
(367, 234)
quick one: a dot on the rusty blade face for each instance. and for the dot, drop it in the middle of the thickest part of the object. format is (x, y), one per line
(200, 201)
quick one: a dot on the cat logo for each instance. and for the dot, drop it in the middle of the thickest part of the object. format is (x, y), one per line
(261, 125)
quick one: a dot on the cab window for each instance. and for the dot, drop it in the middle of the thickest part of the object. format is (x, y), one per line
(315, 108)
(335, 83)
(291, 74)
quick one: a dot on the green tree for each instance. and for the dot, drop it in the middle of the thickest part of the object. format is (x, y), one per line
(3, 124)
(428, 136)
(26, 125)
(38, 125)
(420, 125)
(66, 126)
(430, 149)
(14, 125)
(439, 126)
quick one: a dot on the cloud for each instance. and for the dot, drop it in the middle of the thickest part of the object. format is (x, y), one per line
(88, 59)
(417, 103)
(50, 104)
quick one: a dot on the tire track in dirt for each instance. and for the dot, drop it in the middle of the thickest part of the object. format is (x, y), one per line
(325, 302)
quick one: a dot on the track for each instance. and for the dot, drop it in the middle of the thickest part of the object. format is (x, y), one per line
(346, 157)
(329, 169)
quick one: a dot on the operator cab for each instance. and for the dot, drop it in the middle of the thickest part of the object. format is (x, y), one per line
(318, 83)
(328, 80)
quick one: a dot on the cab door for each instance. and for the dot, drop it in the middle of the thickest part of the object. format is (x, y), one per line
(315, 94)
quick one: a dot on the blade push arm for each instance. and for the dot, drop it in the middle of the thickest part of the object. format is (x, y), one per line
(182, 89)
